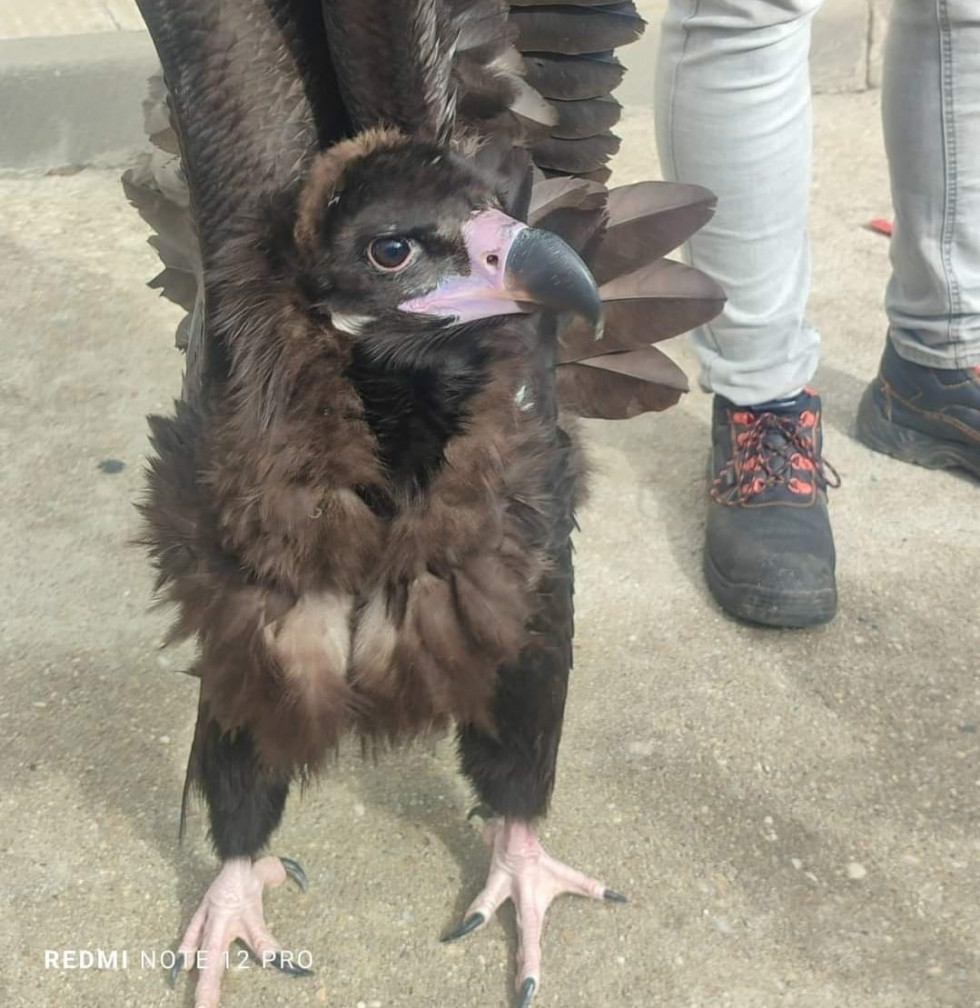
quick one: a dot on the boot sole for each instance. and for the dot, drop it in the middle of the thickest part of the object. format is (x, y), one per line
(754, 604)
(879, 426)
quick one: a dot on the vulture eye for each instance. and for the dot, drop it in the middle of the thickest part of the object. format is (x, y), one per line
(390, 253)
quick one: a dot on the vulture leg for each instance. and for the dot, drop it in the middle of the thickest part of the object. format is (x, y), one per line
(245, 803)
(521, 870)
(513, 771)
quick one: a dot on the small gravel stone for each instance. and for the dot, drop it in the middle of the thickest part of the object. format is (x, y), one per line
(856, 871)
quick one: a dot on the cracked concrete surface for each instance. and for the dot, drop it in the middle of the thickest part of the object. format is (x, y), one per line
(793, 814)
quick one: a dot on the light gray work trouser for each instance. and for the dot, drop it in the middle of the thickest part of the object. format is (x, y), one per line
(733, 114)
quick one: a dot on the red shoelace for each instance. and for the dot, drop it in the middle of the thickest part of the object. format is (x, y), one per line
(772, 450)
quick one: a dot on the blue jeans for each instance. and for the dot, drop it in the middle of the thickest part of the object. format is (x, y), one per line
(734, 114)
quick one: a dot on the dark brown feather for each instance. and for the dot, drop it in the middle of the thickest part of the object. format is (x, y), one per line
(325, 594)
(644, 307)
(243, 130)
(394, 63)
(574, 208)
(619, 386)
(646, 221)
(315, 614)
(585, 118)
(575, 157)
(564, 192)
(576, 28)
(572, 78)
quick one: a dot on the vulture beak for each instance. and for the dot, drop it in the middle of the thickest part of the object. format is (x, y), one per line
(513, 268)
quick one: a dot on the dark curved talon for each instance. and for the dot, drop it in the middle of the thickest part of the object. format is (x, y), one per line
(295, 871)
(481, 810)
(247, 949)
(527, 993)
(468, 925)
(288, 966)
(614, 897)
(173, 971)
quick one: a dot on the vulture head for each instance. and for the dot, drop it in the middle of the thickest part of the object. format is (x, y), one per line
(406, 245)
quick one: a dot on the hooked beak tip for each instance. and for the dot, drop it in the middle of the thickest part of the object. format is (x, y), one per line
(544, 269)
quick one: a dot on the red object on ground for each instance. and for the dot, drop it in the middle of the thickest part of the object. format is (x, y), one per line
(880, 225)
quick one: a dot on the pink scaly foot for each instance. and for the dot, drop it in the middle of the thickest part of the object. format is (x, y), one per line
(232, 909)
(522, 871)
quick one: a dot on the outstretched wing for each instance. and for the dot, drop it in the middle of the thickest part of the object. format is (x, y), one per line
(256, 87)
(251, 97)
(252, 93)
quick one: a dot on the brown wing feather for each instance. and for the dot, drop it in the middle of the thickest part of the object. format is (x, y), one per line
(251, 98)
(623, 385)
(648, 305)
(648, 220)
(243, 129)
(393, 63)
(569, 78)
(576, 28)
(283, 117)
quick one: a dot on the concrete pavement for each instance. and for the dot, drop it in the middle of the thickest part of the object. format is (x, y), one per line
(794, 815)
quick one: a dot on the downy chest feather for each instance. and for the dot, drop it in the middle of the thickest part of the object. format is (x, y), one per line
(392, 618)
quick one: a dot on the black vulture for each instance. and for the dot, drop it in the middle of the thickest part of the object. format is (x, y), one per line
(362, 503)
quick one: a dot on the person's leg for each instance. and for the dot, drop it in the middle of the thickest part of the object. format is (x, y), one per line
(733, 114)
(925, 404)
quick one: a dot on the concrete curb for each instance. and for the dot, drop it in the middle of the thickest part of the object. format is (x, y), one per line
(72, 100)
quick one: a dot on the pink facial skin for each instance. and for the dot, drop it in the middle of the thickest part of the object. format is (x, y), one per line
(484, 292)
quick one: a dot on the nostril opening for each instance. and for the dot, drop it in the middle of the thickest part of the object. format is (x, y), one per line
(493, 261)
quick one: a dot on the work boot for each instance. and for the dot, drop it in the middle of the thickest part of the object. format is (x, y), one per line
(769, 553)
(929, 416)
